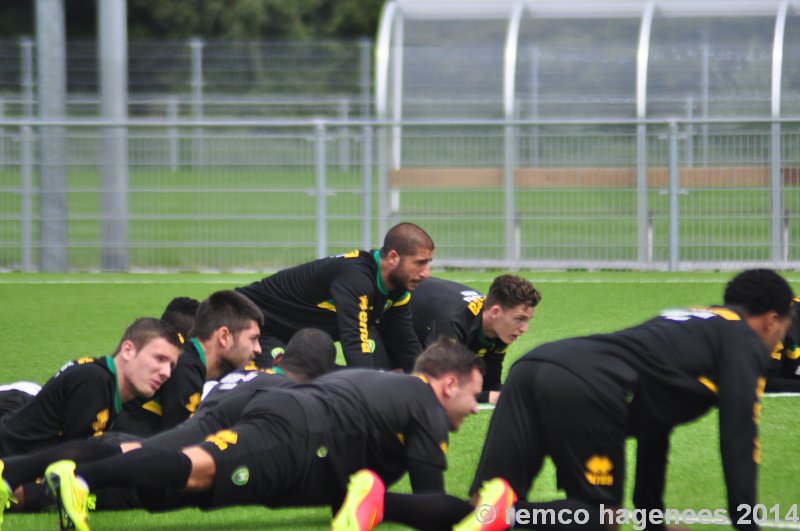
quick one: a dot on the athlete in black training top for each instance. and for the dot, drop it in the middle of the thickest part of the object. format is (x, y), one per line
(84, 397)
(298, 446)
(577, 399)
(348, 296)
(485, 325)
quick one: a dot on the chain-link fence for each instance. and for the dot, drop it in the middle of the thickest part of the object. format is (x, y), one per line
(261, 195)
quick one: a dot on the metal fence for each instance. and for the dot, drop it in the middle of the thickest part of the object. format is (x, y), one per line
(261, 195)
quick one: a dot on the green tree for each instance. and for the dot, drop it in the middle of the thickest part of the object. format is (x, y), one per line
(212, 19)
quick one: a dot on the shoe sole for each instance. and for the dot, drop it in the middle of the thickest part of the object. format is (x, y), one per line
(65, 521)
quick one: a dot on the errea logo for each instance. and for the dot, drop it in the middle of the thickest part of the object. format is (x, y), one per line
(598, 471)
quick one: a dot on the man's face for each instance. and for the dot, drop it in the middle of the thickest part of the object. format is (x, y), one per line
(462, 401)
(509, 323)
(243, 347)
(150, 366)
(411, 269)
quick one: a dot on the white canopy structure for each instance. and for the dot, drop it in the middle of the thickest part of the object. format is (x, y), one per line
(587, 58)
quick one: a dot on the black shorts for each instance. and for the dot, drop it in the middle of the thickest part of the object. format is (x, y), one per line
(194, 430)
(269, 458)
(546, 410)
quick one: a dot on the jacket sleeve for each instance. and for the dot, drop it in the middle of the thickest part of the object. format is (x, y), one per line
(352, 293)
(180, 395)
(651, 466)
(740, 387)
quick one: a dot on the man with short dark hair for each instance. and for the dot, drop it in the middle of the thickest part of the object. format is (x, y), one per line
(485, 325)
(180, 313)
(350, 296)
(299, 446)
(309, 354)
(577, 400)
(86, 395)
(224, 338)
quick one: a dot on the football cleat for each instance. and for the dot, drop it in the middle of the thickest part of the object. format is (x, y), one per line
(362, 509)
(6, 494)
(496, 497)
(70, 493)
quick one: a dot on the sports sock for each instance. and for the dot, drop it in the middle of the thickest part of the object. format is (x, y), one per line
(26, 468)
(547, 515)
(424, 511)
(144, 467)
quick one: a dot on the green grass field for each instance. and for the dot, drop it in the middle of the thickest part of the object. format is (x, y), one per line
(49, 319)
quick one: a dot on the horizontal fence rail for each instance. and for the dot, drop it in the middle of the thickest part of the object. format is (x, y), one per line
(244, 195)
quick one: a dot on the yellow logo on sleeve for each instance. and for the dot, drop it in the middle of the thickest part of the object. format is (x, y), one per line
(222, 439)
(363, 305)
(100, 422)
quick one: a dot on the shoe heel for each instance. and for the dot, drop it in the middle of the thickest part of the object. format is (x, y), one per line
(54, 490)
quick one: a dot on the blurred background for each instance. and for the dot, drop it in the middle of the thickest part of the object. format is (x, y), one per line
(249, 135)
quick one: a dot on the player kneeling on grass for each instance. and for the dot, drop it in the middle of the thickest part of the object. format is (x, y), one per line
(577, 399)
(485, 325)
(297, 447)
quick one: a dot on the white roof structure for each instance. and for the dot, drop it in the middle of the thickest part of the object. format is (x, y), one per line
(474, 59)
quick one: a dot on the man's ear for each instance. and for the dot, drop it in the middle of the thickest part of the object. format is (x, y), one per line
(224, 336)
(393, 258)
(450, 384)
(493, 311)
(127, 350)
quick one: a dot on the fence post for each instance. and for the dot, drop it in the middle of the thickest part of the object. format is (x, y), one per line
(689, 133)
(534, 141)
(383, 177)
(322, 191)
(776, 194)
(344, 134)
(705, 87)
(365, 45)
(641, 194)
(113, 63)
(510, 144)
(196, 46)
(26, 207)
(26, 163)
(366, 172)
(172, 116)
(52, 85)
(674, 185)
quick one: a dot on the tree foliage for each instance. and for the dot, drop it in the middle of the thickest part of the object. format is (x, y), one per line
(212, 19)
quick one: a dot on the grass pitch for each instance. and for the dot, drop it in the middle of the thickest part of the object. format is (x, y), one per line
(49, 319)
